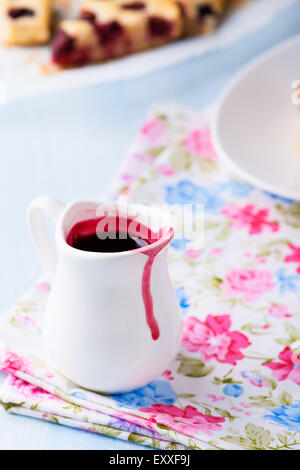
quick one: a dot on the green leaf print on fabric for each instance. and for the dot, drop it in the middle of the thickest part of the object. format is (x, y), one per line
(107, 430)
(207, 165)
(271, 401)
(180, 160)
(74, 408)
(257, 330)
(155, 152)
(8, 405)
(290, 214)
(142, 440)
(191, 367)
(285, 398)
(273, 248)
(286, 441)
(226, 379)
(256, 438)
(137, 438)
(293, 336)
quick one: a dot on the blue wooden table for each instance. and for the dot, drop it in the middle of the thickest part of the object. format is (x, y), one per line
(70, 144)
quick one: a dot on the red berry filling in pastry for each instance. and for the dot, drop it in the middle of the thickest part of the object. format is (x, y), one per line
(64, 52)
(133, 6)
(108, 32)
(16, 13)
(206, 10)
(88, 15)
(159, 27)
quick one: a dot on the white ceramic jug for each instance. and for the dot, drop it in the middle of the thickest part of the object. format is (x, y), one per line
(112, 323)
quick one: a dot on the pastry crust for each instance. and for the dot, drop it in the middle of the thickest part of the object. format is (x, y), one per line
(112, 28)
(201, 16)
(24, 22)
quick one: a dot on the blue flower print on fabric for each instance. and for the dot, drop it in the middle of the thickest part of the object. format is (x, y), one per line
(131, 427)
(158, 391)
(186, 192)
(183, 299)
(286, 415)
(233, 390)
(287, 283)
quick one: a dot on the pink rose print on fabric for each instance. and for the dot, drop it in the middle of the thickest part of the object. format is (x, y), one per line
(214, 398)
(249, 283)
(126, 177)
(167, 374)
(288, 368)
(279, 311)
(30, 391)
(11, 363)
(29, 324)
(43, 287)
(49, 374)
(199, 144)
(135, 164)
(145, 423)
(193, 254)
(294, 257)
(250, 217)
(254, 378)
(187, 421)
(213, 339)
(215, 252)
(166, 170)
(154, 131)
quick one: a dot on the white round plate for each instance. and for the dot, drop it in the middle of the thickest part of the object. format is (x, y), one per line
(255, 125)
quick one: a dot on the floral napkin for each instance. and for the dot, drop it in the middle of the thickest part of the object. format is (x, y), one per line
(235, 382)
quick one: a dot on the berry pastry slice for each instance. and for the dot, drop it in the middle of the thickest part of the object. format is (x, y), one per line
(201, 16)
(113, 28)
(24, 22)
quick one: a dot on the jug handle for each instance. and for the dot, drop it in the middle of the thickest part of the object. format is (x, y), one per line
(35, 217)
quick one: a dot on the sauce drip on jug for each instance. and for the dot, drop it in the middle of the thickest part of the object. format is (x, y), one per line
(95, 235)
